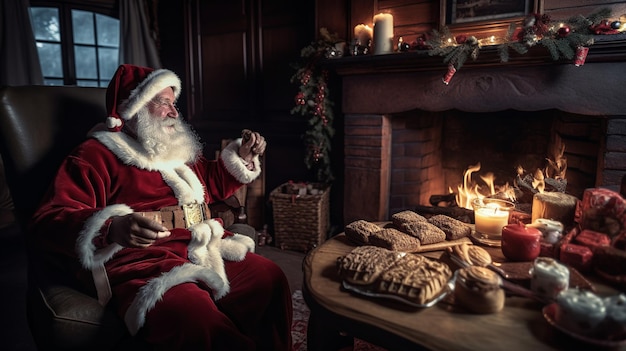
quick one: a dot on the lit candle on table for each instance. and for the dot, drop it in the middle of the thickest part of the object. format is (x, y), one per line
(490, 215)
(383, 33)
(490, 219)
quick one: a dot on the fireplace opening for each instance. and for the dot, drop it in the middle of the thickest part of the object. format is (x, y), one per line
(431, 151)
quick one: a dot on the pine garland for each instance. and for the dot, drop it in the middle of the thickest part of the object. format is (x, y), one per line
(536, 29)
(313, 101)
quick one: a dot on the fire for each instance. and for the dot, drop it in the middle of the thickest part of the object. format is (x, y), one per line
(553, 175)
(557, 165)
(469, 190)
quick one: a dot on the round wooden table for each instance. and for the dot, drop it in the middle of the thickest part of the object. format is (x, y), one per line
(396, 326)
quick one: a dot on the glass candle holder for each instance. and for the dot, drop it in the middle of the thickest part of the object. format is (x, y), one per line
(490, 215)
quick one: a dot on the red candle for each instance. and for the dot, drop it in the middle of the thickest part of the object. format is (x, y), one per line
(520, 243)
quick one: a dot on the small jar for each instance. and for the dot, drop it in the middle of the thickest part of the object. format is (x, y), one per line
(478, 290)
(580, 311)
(548, 277)
(521, 243)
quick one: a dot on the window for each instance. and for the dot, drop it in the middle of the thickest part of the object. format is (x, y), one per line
(75, 46)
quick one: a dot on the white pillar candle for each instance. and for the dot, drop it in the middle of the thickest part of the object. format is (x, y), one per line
(383, 33)
(363, 33)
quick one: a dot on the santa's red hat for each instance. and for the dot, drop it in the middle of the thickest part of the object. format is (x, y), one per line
(131, 88)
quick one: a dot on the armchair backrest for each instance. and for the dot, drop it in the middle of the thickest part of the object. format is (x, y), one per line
(39, 126)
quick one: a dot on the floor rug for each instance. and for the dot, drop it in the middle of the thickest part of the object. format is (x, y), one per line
(301, 314)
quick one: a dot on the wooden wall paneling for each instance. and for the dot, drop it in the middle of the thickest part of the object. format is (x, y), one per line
(334, 15)
(362, 11)
(566, 9)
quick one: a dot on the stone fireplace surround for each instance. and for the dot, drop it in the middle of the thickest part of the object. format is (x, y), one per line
(377, 90)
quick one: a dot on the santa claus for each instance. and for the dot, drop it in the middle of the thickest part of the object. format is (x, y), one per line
(127, 213)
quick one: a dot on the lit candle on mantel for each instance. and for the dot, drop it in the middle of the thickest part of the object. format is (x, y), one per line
(383, 33)
(363, 33)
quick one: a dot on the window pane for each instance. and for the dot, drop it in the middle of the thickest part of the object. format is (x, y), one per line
(86, 65)
(108, 62)
(49, 81)
(82, 23)
(50, 59)
(45, 22)
(108, 31)
(104, 83)
(87, 83)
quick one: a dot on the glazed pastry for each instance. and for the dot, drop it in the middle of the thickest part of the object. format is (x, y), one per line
(477, 289)
(614, 325)
(548, 277)
(472, 255)
(580, 311)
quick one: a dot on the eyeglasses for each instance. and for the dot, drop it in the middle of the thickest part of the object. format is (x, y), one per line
(165, 104)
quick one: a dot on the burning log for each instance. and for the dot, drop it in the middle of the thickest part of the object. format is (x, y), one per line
(528, 190)
(446, 204)
(447, 199)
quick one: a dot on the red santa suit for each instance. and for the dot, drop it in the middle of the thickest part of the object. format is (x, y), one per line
(196, 289)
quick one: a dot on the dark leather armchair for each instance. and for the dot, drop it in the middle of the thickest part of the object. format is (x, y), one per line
(39, 126)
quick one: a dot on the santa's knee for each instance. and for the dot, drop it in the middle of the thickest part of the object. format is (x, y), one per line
(187, 319)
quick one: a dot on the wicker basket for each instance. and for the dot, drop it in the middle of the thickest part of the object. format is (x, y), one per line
(301, 222)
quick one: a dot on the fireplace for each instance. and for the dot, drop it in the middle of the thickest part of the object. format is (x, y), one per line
(409, 136)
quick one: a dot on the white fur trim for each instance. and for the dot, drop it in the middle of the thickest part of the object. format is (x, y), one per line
(113, 122)
(234, 163)
(130, 152)
(235, 248)
(184, 183)
(203, 249)
(87, 253)
(147, 90)
(153, 291)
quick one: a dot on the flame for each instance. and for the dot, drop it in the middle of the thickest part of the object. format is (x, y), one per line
(538, 181)
(557, 165)
(469, 191)
(555, 169)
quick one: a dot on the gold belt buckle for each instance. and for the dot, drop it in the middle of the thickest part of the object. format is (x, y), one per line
(194, 214)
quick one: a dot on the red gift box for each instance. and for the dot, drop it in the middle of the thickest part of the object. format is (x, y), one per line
(576, 256)
(592, 239)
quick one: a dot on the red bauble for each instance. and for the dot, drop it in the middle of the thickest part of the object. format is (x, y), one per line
(563, 31)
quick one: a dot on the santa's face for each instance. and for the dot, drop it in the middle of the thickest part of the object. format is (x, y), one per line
(163, 108)
(162, 133)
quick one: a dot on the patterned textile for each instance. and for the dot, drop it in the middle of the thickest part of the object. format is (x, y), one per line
(301, 314)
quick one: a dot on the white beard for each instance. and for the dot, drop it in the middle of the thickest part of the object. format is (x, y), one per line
(169, 139)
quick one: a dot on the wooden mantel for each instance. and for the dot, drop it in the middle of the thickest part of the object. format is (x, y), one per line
(399, 82)
(608, 48)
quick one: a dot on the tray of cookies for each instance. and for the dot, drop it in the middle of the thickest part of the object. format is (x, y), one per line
(410, 278)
